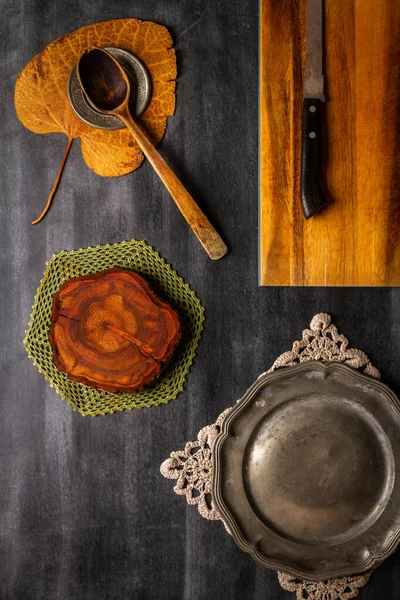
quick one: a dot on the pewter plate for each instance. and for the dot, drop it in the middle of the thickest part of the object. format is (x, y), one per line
(305, 471)
(140, 83)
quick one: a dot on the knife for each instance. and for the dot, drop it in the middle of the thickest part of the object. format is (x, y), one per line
(312, 199)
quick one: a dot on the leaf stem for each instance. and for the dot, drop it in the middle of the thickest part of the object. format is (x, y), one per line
(57, 181)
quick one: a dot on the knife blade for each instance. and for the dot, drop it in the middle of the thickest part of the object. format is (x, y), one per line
(312, 198)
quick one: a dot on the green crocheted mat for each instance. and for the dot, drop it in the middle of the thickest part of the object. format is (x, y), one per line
(139, 257)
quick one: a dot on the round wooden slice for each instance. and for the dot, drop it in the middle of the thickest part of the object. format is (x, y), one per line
(110, 331)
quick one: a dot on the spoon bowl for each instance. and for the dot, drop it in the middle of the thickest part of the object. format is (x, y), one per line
(103, 79)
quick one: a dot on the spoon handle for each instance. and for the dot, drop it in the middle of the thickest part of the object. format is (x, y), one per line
(201, 226)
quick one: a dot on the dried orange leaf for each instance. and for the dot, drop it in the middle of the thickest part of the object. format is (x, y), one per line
(42, 104)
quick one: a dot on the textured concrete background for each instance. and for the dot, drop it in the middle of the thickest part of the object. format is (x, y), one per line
(84, 511)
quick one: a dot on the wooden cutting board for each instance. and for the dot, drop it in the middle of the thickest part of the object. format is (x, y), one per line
(356, 240)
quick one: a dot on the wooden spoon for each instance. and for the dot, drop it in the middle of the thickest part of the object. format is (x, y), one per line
(106, 86)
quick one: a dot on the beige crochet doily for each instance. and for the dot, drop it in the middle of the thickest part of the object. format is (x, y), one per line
(192, 467)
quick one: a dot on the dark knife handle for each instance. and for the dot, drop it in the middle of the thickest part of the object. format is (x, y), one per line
(312, 199)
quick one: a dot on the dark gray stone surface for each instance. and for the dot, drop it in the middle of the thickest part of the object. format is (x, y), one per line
(84, 511)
